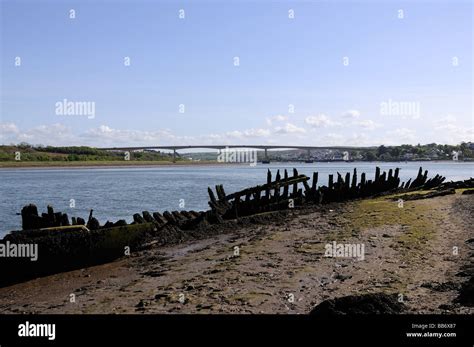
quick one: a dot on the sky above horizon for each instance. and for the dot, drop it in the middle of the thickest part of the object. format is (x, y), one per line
(236, 72)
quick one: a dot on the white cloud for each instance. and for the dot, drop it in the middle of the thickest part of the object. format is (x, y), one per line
(111, 136)
(449, 129)
(320, 121)
(360, 139)
(367, 124)
(289, 129)
(453, 133)
(400, 136)
(449, 118)
(333, 139)
(277, 118)
(53, 134)
(107, 134)
(351, 114)
(248, 133)
(355, 139)
(8, 128)
(445, 130)
(443, 121)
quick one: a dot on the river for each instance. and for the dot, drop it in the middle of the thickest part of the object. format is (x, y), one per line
(118, 193)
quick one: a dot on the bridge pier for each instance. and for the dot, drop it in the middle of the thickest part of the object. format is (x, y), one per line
(265, 158)
(308, 157)
(174, 155)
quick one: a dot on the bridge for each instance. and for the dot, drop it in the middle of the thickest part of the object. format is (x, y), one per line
(220, 147)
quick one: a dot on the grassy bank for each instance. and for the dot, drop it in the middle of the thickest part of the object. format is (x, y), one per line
(25, 155)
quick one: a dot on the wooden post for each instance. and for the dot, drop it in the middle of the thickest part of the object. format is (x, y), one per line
(269, 180)
(383, 182)
(347, 182)
(295, 185)
(236, 206)
(354, 179)
(331, 181)
(377, 174)
(277, 187)
(314, 185)
(220, 192)
(307, 189)
(211, 195)
(407, 185)
(340, 181)
(285, 188)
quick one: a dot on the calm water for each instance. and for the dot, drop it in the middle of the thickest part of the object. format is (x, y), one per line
(118, 193)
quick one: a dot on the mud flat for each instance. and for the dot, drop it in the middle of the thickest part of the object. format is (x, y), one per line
(275, 263)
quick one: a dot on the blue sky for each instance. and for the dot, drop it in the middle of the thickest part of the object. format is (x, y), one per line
(423, 61)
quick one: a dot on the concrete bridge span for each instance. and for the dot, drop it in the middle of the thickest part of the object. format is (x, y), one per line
(220, 147)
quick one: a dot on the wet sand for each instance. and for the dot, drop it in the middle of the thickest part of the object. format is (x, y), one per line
(279, 265)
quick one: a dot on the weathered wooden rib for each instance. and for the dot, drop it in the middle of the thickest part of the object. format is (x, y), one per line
(286, 187)
(147, 216)
(232, 206)
(272, 185)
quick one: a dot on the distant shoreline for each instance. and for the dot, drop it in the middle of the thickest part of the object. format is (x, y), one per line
(150, 164)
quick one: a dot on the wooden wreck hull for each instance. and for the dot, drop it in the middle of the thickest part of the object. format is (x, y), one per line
(60, 250)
